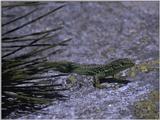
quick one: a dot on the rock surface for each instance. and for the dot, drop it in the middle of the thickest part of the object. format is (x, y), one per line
(102, 32)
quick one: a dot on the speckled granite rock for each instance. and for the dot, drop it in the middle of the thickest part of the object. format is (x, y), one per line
(101, 32)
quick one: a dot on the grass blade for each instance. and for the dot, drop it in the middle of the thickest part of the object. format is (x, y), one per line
(32, 34)
(32, 21)
(24, 47)
(19, 4)
(18, 18)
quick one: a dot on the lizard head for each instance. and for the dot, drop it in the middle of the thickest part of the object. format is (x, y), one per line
(126, 63)
(121, 64)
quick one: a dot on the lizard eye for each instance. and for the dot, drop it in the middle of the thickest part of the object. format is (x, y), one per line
(122, 63)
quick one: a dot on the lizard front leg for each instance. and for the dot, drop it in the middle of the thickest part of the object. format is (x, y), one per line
(97, 78)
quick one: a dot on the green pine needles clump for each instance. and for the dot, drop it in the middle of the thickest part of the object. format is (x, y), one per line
(24, 87)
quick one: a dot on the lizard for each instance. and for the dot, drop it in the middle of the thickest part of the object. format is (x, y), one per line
(99, 71)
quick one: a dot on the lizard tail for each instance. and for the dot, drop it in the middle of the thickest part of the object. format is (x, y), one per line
(61, 66)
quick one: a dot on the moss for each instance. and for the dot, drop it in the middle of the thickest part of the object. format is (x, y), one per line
(147, 109)
(144, 67)
(154, 96)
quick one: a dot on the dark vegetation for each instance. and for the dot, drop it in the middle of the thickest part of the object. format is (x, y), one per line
(25, 88)
(148, 108)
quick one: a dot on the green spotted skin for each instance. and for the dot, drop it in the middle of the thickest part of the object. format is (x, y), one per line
(98, 71)
(107, 69)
